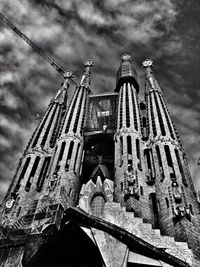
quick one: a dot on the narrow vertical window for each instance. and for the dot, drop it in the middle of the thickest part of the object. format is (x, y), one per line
(121, 150)
(121, 109)
(155, 209)
(75, 162)
(67, 165)
(43, 173)
(129, 147)
(78, 112)
(72, 111)
(169, 161)
(32, 173)
(160, 163)
(141, 191)
(22, 174)
(160, 119)
(181, 167)
(167, 202)
(56, 127)
(44, 139)
(18, 211)
(62, 149)
(167, 117)
(150, 167)
(191, 209)
(152, 117)
(134, 109)
(127, 108)
(138, 154)
(41, 127)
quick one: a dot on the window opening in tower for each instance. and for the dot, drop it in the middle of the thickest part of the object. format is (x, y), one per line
(150, 166)
(32, 173)
(160, 163)
(138, 154)
(121, 150)
(41, 127)
(44, 139)
(62, 149)
(72, 111)
(152, 116)
(43, 173)
(56, 127)
(181, 167)
(67, 165)
(78, 111)
(75, 162)
(127, 107)
(129, 147)
(121, 108)
(134, 107)
(169, 161)
(160, 119)
(167, 117)
(22, 174)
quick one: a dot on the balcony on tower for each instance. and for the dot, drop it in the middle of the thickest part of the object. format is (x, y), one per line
(126, 73)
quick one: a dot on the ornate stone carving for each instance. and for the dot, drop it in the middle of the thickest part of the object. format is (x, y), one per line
(126, 57)
(177, 194)
(131, 186)
(147, 63)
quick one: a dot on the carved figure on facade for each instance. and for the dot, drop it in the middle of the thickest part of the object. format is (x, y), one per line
(11, 201)
(131, 186)
(53, 182)
(181, 210)
(177, 194)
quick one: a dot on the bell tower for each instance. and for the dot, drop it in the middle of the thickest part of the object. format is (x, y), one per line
(178, 209)
(128, 158)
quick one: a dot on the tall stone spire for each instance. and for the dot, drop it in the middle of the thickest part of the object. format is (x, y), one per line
(167, 167)
(69, 148)
(128, 156)
(34, 165)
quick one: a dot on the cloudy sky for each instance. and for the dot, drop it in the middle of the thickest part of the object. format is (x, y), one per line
(168, 31)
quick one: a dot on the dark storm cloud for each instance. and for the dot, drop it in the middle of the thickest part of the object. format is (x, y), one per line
(73, 31)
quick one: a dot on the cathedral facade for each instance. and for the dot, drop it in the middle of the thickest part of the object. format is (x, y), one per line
(103, 181)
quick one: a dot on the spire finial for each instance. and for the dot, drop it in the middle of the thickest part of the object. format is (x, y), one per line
(67, 76)
(147, 63)
(86, 76)
(126, 57)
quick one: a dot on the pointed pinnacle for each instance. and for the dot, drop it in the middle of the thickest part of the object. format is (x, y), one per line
(68, 75)
(126, 57)
(89, 63)
(147, 63)
(86, 76)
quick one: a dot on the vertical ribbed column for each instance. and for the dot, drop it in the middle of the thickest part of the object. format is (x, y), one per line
(128, 161)
(177, 205)
(69, 148)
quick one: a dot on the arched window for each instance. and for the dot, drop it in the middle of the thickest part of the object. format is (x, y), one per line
(97, 205)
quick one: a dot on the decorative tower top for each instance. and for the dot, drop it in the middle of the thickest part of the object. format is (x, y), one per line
(85, 81)
(63, 90)
(126, 73)
(147, 64)
(126, 57)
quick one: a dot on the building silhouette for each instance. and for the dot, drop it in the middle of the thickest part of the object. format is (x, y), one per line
(103, 182)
